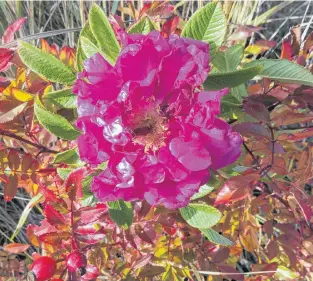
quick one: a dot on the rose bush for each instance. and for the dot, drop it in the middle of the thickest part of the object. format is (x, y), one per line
(159, 149)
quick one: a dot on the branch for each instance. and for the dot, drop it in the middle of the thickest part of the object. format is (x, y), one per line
(14, 136)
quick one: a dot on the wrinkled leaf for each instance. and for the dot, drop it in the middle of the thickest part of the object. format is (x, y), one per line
(207, 24)
(67, 157)
(283, 71)
(104, 34)
(63, 98)
(45, 64)
(55, 124)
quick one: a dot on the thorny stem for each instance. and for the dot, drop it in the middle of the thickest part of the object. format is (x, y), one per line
(14, 136)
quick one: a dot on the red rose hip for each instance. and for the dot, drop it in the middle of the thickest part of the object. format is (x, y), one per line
(76, 262)
(42, 269)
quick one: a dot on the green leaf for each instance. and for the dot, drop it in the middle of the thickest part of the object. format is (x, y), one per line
(54, 123)
(237, 94)
(104, 34)
(89, 48)
(80, 55)
(200, 215)
(203, 191)
(63, 98)
(45, 64)
(143, 26)
(67, 157)
(64, 172)
(231, 79)
(228, 60)
(23, 218)
(283, 71)
(216, 238)
(121, 213)
(208, 24)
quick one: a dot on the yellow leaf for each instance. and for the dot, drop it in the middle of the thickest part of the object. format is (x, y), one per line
(21, 95)
(7, 90)
(284, 273)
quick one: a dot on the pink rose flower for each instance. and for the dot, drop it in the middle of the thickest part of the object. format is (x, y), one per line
(148, 117)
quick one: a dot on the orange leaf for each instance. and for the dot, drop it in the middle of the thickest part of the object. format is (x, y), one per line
(16, 248)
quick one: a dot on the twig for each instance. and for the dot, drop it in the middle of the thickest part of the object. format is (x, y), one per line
(14, 136)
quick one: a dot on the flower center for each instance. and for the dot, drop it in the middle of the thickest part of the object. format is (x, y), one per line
(149, 130)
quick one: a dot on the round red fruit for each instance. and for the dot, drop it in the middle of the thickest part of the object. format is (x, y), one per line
(76, 261)
(43, 268)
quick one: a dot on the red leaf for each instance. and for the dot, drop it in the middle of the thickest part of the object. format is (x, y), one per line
(248, 129)
(229, 270)
(143, 261)
(257, 110)
(73, 184)
(16, 248)
(91, 238)
(272, 249)
(169, 27)
(10, 114)
(286, 51)
(8, 35)
(295, 32)
(308, 43)
(286, 116)
(91, 214)
(296, 135)
(10, 187)
(53, 216)
(235, 188)
(299, 204)
(13, 160)
(6, 56)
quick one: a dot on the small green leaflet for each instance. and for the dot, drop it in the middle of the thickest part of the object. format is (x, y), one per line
(231, 79)
(283, 71)
(203, 191)
(54, 123)
(207, 24)
(62, 98)
(67, 157)
(229, 59)
(143, 26)
(89, 48)
(104, 34)
(121, 212)
(64, 172)
(80, 55)
(216, 238)
(200, 215)
(45, 64)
